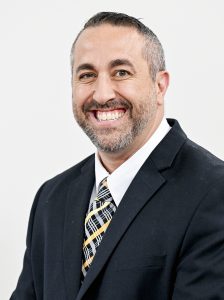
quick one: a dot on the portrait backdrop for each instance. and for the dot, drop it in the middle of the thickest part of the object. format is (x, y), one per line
(39, 137)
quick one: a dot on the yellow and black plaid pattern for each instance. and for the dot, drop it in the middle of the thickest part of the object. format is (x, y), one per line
(97, 220)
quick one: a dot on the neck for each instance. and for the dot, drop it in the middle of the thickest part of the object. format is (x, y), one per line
(111, 161)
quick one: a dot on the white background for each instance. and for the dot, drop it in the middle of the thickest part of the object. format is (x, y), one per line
(39, 138)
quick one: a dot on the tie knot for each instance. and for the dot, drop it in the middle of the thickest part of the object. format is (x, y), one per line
(104, 182)
(103, 192)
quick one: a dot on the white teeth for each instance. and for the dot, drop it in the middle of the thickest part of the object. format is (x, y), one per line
(104, 117)
(109, 115)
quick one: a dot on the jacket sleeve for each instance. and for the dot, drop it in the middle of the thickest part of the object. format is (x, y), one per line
(200, 270)
(25, 289)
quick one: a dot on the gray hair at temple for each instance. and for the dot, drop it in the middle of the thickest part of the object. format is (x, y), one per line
(152, 51)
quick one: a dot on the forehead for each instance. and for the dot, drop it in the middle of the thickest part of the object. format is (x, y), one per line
(106, 42)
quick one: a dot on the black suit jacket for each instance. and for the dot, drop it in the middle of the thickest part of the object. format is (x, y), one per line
(165, 241)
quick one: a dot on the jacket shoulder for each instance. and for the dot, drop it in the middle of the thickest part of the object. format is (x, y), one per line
(70, 174)
(200, 162)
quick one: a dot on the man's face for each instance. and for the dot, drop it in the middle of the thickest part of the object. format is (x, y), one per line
(114, 97)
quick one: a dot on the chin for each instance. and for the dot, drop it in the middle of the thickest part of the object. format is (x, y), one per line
(113, 144)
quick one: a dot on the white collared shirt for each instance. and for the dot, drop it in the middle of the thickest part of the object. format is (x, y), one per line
(121, 178)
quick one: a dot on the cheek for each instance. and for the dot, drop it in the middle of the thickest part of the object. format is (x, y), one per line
(80, 94)
(134, 88)
(128, 90)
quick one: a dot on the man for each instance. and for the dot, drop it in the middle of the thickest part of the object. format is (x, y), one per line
(144, 217)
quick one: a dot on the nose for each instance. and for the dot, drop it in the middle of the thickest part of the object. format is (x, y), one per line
(103, 89)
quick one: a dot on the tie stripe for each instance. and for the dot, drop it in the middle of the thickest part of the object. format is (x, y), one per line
(96, 223)
(96, 233)
(95, 211)
(87, 263)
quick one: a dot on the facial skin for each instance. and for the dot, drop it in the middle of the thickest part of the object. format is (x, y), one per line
(115, 101)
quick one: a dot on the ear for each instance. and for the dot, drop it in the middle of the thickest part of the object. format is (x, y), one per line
(162, 83)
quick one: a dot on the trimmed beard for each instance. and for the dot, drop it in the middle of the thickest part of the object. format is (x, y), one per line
(139, 120)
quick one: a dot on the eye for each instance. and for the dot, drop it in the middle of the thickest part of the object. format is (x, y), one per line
(121, 74)
(87, 76)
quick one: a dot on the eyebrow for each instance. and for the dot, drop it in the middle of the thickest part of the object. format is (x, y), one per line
(114, 63)
(85, 66)
(121, 62)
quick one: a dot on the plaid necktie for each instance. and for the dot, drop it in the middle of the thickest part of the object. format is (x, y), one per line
(97, 220)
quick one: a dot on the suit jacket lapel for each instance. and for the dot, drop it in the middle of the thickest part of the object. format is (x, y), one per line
(165, 153)
(77, 204)
(144, 186)
(148, 182)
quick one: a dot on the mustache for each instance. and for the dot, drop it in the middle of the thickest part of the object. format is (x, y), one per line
(111, 104)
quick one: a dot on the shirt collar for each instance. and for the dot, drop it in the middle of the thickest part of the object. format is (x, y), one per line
(120, 179)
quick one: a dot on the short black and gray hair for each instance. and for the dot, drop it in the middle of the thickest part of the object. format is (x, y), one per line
(152, 51)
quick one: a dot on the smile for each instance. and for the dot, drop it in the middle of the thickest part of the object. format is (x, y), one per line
(110, 115)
